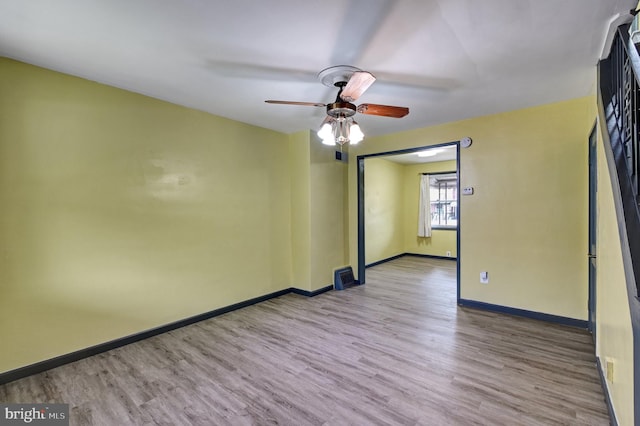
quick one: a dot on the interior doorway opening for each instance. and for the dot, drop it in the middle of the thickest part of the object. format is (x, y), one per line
(389, 205)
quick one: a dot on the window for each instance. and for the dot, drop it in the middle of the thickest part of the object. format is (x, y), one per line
(444, 200)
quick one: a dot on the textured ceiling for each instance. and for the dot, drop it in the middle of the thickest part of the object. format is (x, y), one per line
(446, 59)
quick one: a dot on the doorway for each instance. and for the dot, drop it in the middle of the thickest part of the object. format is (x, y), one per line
(412, 159)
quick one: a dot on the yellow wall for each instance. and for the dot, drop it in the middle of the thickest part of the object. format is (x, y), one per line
(441, 241)
(384, 209)
(328, 177)
(613, 318)
(299, 148)
(121, 213)
(317, 212)
(527, 222)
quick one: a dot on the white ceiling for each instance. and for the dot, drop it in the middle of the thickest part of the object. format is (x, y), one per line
(444, 59)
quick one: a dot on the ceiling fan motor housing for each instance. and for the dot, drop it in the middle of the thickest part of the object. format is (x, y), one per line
(341, 109)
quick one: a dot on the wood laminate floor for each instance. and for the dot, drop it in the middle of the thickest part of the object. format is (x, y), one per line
(395, 351)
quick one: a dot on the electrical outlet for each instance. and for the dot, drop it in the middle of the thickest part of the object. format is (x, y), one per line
(448, 253)
(484, 277)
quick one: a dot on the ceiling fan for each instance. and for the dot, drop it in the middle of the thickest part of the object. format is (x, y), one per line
(339, 125)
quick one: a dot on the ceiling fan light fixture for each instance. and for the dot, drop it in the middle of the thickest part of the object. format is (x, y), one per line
(356, 134)
(326, 132)
(342, 129)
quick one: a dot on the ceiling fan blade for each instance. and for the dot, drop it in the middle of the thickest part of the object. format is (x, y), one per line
(358, 83)
(316, 104)
(383, 110)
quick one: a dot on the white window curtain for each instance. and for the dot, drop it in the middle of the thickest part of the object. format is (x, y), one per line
(424, 215)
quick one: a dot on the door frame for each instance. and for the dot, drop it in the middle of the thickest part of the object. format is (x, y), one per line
(361, 207)
(593, 223)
